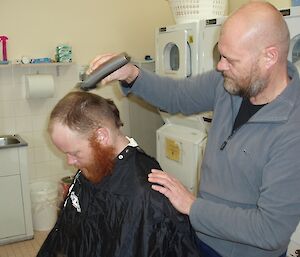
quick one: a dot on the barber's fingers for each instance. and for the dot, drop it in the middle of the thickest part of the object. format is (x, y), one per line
(162, 178)
(127, 73)
(173, 189)
(162, 182)
(100, 59)
(108, 79)
(171, 185)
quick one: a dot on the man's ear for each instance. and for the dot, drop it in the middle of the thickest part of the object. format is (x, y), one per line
(102, 135)
(270, 56)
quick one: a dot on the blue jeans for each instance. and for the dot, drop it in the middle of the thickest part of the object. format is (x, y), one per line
(206, 251)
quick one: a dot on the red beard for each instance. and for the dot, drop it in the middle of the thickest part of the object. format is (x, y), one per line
(102, 162)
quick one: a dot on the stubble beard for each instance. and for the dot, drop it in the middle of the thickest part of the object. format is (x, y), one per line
(246, 87)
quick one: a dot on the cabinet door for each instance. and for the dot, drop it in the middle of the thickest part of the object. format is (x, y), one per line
(11, 207)
(9, 159)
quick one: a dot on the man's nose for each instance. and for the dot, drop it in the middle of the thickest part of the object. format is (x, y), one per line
(71, 160)
(222, 64)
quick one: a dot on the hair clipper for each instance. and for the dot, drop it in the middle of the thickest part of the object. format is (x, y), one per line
(106, 68)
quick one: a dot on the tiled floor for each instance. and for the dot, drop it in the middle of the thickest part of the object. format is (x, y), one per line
(28, 248)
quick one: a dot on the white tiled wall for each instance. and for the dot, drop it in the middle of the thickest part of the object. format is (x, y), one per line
(29, 117)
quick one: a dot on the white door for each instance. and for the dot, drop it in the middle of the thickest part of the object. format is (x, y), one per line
(11, 207)
(173, 53)
(209, 55)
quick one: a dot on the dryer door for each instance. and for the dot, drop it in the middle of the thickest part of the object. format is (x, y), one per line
(173, 53)
(294, 54)
(209, 54)
(292, 21)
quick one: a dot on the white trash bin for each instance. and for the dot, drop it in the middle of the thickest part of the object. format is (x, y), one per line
(44, 204)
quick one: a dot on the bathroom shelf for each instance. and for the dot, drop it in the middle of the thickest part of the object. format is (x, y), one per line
(55, 64)
(31, 65)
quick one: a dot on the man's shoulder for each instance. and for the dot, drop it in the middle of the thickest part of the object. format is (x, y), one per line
(145, 160)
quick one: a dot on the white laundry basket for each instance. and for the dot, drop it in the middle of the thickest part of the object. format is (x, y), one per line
(44, 204)
(185, 11)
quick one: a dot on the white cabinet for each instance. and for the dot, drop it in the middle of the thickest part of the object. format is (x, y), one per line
(15, 207)
(179, 151)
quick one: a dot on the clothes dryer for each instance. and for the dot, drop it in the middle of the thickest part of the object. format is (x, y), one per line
(184, 50)
(292, 18)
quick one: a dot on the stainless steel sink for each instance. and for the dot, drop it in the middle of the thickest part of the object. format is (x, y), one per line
(11, 141)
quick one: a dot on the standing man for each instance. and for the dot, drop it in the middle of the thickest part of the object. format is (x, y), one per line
(248, 204)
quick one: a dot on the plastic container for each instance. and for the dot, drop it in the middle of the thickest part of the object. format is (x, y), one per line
(44, 204)
(185, 11)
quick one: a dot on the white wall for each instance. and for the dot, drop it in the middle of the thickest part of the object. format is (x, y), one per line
(91, 27)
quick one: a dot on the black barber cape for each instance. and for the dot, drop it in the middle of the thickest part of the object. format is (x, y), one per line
(120, 217)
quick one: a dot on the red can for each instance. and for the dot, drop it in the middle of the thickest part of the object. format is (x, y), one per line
(65, 185)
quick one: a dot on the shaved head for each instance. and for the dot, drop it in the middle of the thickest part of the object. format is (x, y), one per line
(259, 25)
(254, 44)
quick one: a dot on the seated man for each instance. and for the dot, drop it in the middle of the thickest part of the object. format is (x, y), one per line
(110, 209)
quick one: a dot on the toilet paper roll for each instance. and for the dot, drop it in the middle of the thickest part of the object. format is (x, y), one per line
(39, 86)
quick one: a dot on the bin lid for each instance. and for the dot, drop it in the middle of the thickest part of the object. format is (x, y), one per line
(41, 190)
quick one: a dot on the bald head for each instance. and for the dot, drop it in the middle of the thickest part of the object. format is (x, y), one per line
(257, 25)
(254, 45)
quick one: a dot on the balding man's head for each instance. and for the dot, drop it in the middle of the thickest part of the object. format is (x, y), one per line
(258, 25)
(254, 44)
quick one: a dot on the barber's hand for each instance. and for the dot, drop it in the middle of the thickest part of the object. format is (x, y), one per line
(127, 73)
(179, 196)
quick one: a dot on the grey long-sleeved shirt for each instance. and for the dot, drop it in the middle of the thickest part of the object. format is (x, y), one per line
(248, 204)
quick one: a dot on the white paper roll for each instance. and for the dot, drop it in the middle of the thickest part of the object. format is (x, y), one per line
(39, 86)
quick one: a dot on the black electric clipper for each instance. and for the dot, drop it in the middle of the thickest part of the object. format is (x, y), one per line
(108, 67)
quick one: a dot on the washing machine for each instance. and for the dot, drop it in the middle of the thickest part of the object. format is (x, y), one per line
(292, 18)
(183, 50)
